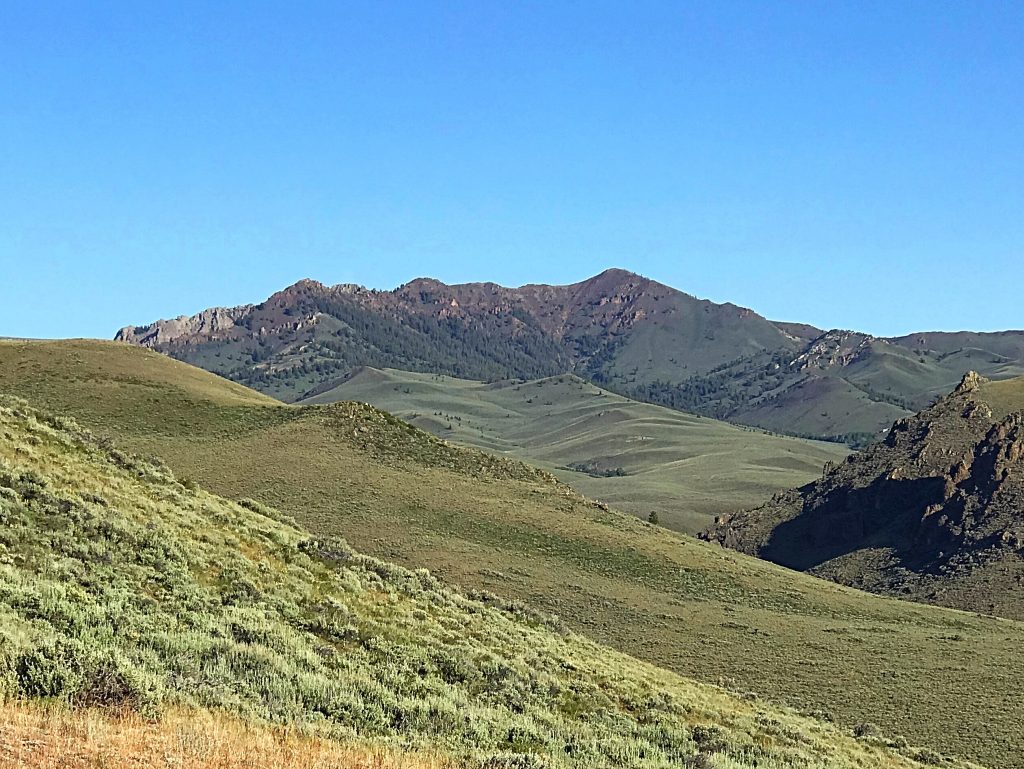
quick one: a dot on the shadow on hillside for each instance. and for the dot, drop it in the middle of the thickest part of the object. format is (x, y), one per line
(885, 514)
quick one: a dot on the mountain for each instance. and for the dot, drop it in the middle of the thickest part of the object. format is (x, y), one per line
(123, 588)
(498, 527)
(603, 327)
(634, 456)
(935, 512)
(619, 330)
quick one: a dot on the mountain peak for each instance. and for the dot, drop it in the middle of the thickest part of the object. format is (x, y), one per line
(613, 276)
(616, 272)
(305, 284)
(422, 284)
(617, 328)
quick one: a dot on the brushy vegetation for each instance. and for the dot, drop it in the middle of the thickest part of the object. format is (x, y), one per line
(946, 679)
(122, 587)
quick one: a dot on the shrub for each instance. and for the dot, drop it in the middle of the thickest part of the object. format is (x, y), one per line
(511, 761)
(329, 549)
(929, 757)
(49, 669)
(8, 673)
(112, 684)
(709, 739)
(455, 668)
(866, 730)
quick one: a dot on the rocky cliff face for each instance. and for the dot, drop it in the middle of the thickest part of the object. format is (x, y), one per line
(833, 348)
(934, 511)
(217, 322)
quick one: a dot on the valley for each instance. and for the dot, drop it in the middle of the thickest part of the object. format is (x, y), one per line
(634, 456)
(511, 386)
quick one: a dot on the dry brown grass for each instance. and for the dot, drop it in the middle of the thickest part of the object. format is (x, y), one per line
(33, 737)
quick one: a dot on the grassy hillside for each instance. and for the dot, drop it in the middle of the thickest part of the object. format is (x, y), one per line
(138, 394)
(635, 456)
(122, 587)
(942, 678)
(842, 384)
(1003, 397)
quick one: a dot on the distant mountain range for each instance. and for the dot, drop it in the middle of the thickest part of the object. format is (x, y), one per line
(622, 331)
(934, 512)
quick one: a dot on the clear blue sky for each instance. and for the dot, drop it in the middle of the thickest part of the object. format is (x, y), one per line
(856, 165)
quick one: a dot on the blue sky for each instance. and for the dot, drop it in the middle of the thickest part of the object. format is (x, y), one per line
(856, 165)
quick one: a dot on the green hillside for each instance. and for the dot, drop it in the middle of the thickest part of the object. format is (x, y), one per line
(842, 384)
(634, 456)
(946, 679)
(122, 587)
(1003, 397)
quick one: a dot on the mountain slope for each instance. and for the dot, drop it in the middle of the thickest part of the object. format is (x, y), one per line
(635, 456)
(497, 525)
(122, 587)
(619, 330)
(934, 512)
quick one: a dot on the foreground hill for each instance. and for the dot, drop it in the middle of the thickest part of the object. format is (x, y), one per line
(935, 512)
(635, 456)
(619, 330)
(122, 587)
(941, 678)
(52, 736)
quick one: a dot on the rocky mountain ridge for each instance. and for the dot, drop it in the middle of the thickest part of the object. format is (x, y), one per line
(620, 330)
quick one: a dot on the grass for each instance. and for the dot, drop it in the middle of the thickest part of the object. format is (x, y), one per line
(635, 456)
(38, 737)
(123, 588)
(1004, 397)
(942, 678)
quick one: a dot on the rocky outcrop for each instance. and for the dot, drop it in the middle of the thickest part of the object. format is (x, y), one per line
(208, 324)
(833, 348)
(942, 497)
